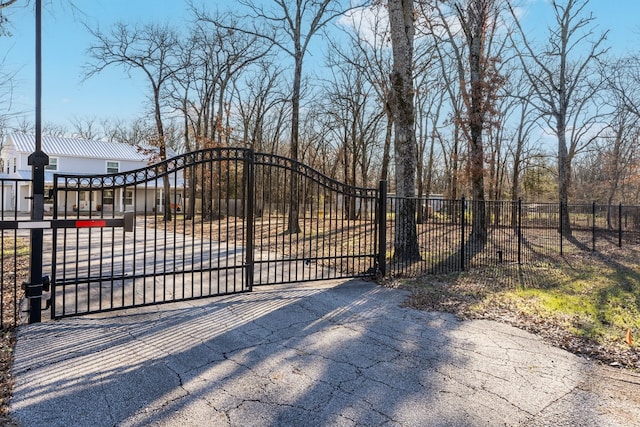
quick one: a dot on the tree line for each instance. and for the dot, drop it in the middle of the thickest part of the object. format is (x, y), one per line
(438, 97)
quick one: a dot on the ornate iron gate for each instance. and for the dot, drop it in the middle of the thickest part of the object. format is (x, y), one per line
(205, 223)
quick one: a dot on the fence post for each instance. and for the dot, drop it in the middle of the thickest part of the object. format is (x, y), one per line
(561, 227)
(37, 160)
(462, 254)
(593, 227)
(250, 194)
(620, 225)
(382, 228)
(519, 231)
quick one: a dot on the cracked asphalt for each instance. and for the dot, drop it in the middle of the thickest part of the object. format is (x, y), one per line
(318, 354)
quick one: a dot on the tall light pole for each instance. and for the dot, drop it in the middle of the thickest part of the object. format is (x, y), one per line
(38, 160)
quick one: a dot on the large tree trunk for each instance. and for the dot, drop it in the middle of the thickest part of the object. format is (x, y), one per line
(564, 177)
(476, 123)
(189, 172)
(401, 20)
(386, 154)
(166, 184)
(294, 202)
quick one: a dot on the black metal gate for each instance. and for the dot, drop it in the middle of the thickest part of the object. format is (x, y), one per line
(206, 223)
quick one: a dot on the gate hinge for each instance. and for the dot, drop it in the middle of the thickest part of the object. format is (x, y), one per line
(35, 289)
(46, 283)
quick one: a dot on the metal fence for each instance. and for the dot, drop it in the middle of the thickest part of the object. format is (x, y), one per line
(232, 227)
(206, 223)
(14, 247)
(516, 233)
(231, 230)
(446, 236)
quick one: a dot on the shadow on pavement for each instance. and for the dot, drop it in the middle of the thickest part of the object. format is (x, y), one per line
(345, 354)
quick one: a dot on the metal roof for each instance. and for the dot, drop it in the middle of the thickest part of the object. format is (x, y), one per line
(22, 174)
(74, 147)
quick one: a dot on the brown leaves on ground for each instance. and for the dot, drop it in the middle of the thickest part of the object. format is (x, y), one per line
(334, 242)
(7, 343)
(15, 272)
(476, 295)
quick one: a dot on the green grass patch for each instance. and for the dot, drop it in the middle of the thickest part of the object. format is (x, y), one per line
(11, 247)
(596, 301)
(590, 296)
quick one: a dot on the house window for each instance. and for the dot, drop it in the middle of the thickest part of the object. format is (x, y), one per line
(86, 196)
(128, 197)
(15, 164)
(53, 164)
(107, 197)
(113, 167)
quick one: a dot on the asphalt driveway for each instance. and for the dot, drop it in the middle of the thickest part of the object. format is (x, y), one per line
(319, 354)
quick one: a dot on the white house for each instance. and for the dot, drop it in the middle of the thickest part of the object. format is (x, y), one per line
(82, 157)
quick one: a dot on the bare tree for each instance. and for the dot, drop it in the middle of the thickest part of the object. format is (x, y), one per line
(520, 107)
(258, 97)
(434, 137)
(3, 18)
(402, 25)
(565, 83)
(520, 147)
(468, 31)
(213, 58)
(85, 128)
(429, 100)
(624, 79)
(539, 180)
(355, 118)
(25, 125)
(6, 3)
(369, 42)
(217, 54)
(6, 100)
(620, 140)
(54, 129)
(134, 132)
(451, 142)
(7, 79)
(152, 50)
(289, 25)
(621, 149)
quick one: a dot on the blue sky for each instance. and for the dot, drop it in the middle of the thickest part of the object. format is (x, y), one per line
(114, 94)
(620, 17)
(65, 40)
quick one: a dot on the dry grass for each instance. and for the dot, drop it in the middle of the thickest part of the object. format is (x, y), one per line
(330, 238)
(584, 302)
(15, 268)
(7, 344)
